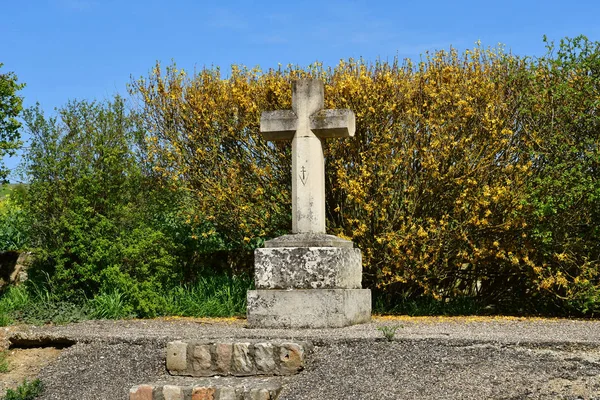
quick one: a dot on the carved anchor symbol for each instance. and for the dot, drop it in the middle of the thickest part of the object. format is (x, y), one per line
(304, 176)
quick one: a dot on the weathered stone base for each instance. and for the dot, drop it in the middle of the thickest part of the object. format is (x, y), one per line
(308, 308)
(308, 268)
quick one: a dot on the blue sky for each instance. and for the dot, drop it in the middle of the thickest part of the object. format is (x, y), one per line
(90, 49)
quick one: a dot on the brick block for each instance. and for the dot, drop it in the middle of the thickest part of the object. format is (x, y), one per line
(141, 392)
(203, 393)
(224, 352)
(234, 359)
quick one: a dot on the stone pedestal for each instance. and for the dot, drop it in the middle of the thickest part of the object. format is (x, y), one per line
(308, 281)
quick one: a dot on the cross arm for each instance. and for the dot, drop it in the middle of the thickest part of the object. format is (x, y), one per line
(333, 123)
(278, 125)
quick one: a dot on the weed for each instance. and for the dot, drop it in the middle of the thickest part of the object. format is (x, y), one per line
(57, 312)
(26, 391)
(389, 331)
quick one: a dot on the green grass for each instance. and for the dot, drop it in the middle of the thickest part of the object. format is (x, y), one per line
(3, 361)
(26, 391)
(13, 300)
(211, 296)
(34, 304)
(425, 306)
(113, 305)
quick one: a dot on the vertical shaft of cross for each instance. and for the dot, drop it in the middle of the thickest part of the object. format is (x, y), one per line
(308, 162)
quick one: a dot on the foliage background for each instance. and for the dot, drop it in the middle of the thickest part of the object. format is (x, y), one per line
(471, 175)
(11, 105)
(472, 184)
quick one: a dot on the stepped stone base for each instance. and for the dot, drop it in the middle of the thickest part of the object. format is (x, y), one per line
(308, 268)
(308, 308)
(309, 240)
(196, 358)
(205, 392)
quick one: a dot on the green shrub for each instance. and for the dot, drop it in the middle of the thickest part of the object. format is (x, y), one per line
(213, 295)
(14, 227)
(38, 304)
(99, 220)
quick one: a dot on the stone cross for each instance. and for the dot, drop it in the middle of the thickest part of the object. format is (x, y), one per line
(306, 125)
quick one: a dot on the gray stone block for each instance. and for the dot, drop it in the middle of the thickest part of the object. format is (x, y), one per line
(258, 394)
(308, 308)
(307, 268)
(202, 359)
(177, 356)
(242, 363)
(171, 392)
(263, 357)
(226, 393)
(291, 357)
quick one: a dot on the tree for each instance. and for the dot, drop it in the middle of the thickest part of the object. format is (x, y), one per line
(87, 200)
(10, 107)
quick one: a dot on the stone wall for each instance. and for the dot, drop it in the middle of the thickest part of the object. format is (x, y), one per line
(13, 267)
(203, 392)
(193, 358)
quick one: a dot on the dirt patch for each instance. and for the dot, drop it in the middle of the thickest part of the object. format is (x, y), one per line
(579, 388)
(25, 364)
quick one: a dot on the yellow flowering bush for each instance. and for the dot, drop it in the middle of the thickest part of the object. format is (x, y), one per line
(440, 187)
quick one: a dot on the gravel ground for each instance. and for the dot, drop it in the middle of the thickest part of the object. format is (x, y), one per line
(429, 358)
